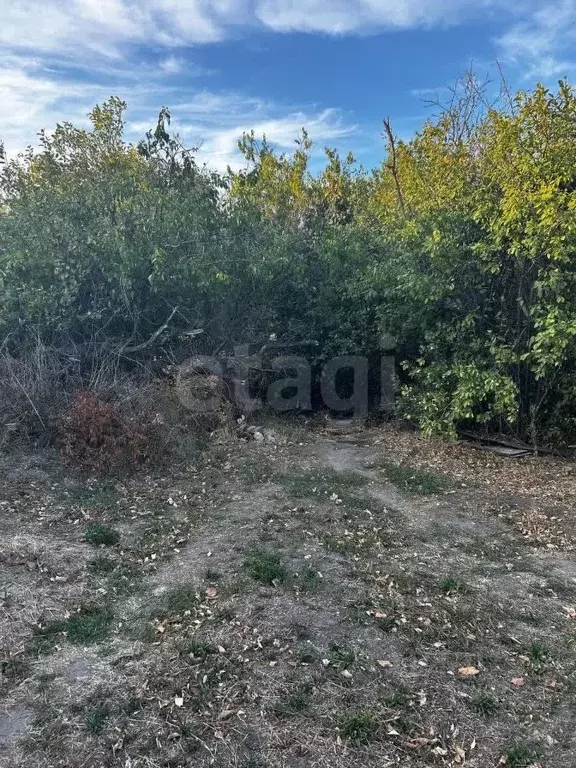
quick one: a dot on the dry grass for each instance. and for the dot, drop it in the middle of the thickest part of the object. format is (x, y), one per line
(304, 614)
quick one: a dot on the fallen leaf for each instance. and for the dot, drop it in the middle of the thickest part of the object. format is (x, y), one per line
(211, 593)
(417, 743)
(384, 663)
(459, 755)
(468, 671)
(518, 682)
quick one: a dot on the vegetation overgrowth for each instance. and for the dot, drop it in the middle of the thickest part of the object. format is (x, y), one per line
(461, 245)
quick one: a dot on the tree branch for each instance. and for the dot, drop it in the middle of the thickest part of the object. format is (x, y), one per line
(393, 164)
(152, 339)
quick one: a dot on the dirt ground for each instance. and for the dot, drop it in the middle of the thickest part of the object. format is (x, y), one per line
(322, 597)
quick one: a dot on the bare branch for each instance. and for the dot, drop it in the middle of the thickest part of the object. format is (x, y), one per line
(152, 339)
(393, 164)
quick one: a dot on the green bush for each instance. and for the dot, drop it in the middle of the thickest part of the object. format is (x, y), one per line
(461, 245)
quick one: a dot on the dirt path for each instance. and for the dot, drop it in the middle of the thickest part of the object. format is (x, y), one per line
(304, 602)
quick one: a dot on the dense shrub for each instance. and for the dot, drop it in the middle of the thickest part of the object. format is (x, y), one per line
(95, 437)
(462, 245)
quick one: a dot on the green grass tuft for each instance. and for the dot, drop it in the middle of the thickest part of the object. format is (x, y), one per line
(295, 701)
(538, 653)
(96, 718)
(98, 534)
(485, 704)
(101, 566)
(199, 649)
(265, 567)
(176, 601)
(307, 654)
(359, 728)
(521, 755)
(92, 624)
(452, 585)
(308, 580)
(340, 657)
(319, 483)
(416, 481)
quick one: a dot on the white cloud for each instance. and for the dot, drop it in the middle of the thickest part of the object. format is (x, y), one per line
(34, 97)
(220, 149)
(57, 59)
(340, 16)
(106, 27)
(172, 65)
(542, 44)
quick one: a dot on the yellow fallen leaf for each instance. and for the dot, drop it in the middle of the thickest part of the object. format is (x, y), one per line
(468, 671)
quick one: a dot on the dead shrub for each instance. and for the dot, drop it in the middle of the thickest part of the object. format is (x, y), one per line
(95, 437)
(31, 397)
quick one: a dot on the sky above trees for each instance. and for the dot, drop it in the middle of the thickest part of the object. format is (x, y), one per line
(224, 66)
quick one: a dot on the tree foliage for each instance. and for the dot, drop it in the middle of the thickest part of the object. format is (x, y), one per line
(462, 245)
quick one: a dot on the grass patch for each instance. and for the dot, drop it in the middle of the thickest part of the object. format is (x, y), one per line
(101, 566)
(341, 658)
(255, 472)
(265, 567)
(294, 702)
(253, 762)
(96, 718)
(538, 654)
(485, 704)
(451, 585)
(91, 625)
(308, 580)
(14, 669)
(521, 755)
(124, 580)
(323, 483)
(176, 601)
(358, 728)
(399, 699)
(341, 546)
(307, 654)
(101, 535)
(212, 575)
(416, 481)
(198, 649)
(99, 497)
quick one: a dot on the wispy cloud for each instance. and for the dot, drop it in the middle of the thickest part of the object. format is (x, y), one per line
(59, 58)
(340, 16)
(542, 45)
(219, 149)
(33, 96)
(106, 27)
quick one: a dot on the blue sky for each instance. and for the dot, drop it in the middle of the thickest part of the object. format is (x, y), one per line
(224, 66)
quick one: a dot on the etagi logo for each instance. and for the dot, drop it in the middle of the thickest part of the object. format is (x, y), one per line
(203, 382)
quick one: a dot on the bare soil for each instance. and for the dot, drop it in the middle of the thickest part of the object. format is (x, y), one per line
(321, 598)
